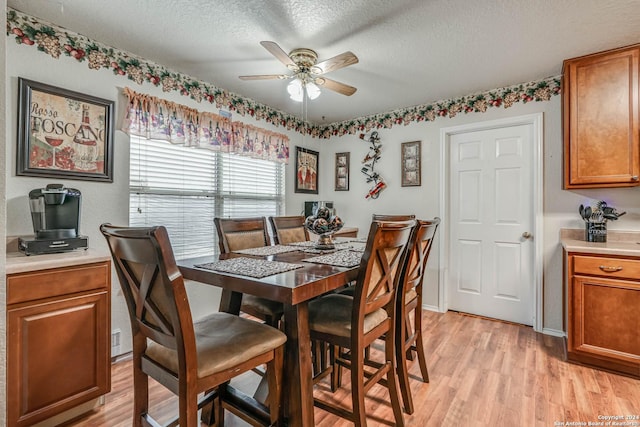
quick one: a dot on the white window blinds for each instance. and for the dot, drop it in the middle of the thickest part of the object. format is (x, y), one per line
(185, 188)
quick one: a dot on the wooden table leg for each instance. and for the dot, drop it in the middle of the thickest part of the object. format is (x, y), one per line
(230, 301)
(298, 383)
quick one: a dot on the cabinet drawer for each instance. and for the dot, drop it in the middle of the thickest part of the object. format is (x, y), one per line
(608, 267)
(41, 284)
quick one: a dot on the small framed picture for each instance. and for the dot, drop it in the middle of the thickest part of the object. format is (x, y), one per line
(306, 171)
(411, 171)
(63, 134)
(342, 172)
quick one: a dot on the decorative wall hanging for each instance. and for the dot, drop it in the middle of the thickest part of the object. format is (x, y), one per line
(369, 165)
(307, 171)
(411, 170)
(342, 172)
(63, 134)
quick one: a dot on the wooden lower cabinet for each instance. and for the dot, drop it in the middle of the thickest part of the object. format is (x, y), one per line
(58, 340)
(603, 320)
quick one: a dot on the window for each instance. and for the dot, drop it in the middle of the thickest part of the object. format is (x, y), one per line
(185, 188)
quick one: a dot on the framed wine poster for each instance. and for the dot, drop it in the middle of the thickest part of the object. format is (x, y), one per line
(63, 134)
(306, 171)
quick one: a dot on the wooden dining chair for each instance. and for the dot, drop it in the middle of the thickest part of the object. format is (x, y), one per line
(288, 229)
(409, 339)
(350, 324)
(350, 289)
(246, 233)
(188, 358)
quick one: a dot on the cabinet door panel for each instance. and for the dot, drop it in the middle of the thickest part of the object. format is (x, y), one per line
(606, 321)
(602, 143)
(59, 356)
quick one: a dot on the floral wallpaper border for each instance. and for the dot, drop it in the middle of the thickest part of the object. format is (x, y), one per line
(56, 41)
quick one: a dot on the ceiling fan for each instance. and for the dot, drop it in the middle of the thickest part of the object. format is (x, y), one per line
(308, 73)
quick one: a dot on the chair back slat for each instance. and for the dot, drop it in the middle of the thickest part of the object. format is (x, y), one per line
(241, 233)
(421, 244)
(151, 283)
(380, 268)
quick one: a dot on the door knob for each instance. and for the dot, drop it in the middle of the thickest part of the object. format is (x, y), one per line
(526, 235)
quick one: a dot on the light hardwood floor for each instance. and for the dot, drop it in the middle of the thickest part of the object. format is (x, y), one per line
(482, 372)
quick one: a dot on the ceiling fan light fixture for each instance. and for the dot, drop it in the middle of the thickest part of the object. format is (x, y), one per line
(313, 91)
(296, 90)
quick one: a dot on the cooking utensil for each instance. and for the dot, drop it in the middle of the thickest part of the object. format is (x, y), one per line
(596, 216)
(587, 213)
(581, 211)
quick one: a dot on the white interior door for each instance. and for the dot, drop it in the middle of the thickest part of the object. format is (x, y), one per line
(491, 252)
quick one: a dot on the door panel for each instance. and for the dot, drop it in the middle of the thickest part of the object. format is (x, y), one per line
(491, 193)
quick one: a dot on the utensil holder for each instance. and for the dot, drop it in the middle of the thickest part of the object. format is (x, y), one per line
(596, 231)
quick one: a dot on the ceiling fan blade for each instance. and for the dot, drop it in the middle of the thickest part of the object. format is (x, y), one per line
(280, 54)
(335, 86)
(265, 77)
(340, 61)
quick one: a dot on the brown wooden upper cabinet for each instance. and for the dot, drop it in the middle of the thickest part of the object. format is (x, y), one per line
(600, 119)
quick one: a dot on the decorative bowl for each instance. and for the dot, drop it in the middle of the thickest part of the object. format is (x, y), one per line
(324, 225)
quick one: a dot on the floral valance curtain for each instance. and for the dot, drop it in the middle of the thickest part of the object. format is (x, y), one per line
(155, 118)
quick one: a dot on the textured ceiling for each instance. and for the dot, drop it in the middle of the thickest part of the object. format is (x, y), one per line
(411, 51)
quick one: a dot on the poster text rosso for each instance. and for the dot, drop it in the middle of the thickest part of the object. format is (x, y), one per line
(49, 122)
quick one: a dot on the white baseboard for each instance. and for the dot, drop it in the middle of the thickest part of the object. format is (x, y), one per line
(553, 332)
(431, 308)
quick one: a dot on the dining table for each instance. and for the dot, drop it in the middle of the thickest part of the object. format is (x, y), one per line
(308, 277)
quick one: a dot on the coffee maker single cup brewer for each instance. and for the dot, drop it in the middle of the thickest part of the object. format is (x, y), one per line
(55, 214)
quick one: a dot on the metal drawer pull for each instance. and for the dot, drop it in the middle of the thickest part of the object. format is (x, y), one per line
(610, 269)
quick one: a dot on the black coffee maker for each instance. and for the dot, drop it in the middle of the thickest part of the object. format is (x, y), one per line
(55, 214)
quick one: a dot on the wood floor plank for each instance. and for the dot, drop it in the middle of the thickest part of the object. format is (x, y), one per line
(482, 373)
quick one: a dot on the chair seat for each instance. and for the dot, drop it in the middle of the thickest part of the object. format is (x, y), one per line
(218, 338)
(332, 314)
(263, 306)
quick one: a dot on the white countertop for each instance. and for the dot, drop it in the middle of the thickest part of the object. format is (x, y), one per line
(624, 243)
(17, 262)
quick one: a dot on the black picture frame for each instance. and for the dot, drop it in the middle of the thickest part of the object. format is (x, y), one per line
(411, 167)
(63, 134)
(342, 172)
(306, 177)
